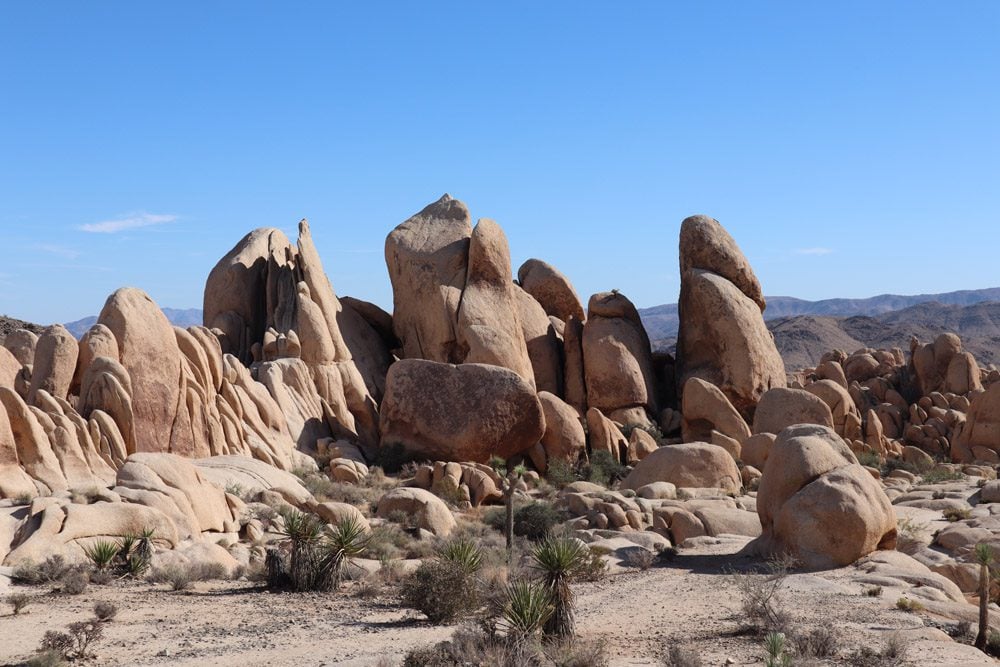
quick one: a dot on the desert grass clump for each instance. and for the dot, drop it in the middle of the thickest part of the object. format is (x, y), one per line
(557, 560)
(942, 475)
(911, 536)
(18, 602)
(954, 514)
(464, 553)
(604, 469)
(820, 642)
(873, 591)
(908, 605)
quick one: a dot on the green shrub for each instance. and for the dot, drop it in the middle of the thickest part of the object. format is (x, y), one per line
(560, 473)
(101, 553)
(464, 553)
(535, 520)
(941, 475)
(604, 469)
(955, 514)
(529, 606)
(906, 604)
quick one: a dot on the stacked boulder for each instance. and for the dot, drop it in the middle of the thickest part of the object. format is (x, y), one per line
(722, 338)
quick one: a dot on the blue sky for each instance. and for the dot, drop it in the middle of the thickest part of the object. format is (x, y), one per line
(852, 148)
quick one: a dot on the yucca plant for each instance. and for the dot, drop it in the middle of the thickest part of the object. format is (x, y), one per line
(126, 544)
(984, 557)
(102, 553)
(464, 553)
(304, 532)
(347, 541)
(557, 559)
(528, 607)
(776, 656)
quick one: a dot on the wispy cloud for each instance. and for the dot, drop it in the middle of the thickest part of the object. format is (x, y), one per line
(127, 221)
(813, 251)
(58, 250)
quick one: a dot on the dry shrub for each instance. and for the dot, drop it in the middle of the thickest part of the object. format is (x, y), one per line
(763, 612)
(820, 642)
(74, 583)
(18, 601)
(105, 611)
(473, 646)
(680, 656)
(180, 577)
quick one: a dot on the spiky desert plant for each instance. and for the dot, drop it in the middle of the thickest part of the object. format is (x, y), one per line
(465, 553)
(347, 541)
(303, 531)
(774, 644)
(528, 607)
(126, 544)
(984, 557)
(101, 553)
(557, 559)
(141, 555)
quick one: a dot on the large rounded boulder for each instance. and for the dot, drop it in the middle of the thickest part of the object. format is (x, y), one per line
(782, 407)
(692, 465)
(469, 412)
(818, 504)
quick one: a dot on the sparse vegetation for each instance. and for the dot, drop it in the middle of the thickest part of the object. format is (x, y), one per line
(105, 611)
(870, 459)
(907, 604)
(442, 590)
(983, 555)
(775, 651)
(101, 553)
(529, 606)
(759, 598)
(873, 591)
(954, 514)
(942, 475)
(639, 558)
(820, 642)
(604, 469)
(557, 560)
(181, 577)
(18, 602)
(535, 520)
(680, 656)
(910, 536)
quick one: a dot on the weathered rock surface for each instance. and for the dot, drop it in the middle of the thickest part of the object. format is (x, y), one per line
(468, 412)
(690, 465)
(427, 257)
(782, 407)
(818, 504)
(618, 364)
(551, 289)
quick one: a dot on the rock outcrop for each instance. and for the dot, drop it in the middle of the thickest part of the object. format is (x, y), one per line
(722, 337)
(551, 289)
(468, 412)
(817, 504)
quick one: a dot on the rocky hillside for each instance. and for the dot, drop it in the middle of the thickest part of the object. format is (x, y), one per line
(9, 324)
(803, 340)
(662, 321)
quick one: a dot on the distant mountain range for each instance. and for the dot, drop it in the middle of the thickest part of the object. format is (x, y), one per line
(181, 317)
(805, 330)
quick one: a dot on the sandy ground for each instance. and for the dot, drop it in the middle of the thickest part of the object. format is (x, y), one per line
(636, 614)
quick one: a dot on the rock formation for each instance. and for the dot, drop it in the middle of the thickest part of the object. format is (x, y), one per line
(722, 337)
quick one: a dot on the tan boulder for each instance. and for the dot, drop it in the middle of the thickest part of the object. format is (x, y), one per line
(252, 476)
(543, 343)
(690, 465)
(335, 513)
(705, 244)
(425, 509)
(245, 288)
(818, 504)
(982, 426)
(756, 449)
(564, 438)
(469, 412)
(99, 341)
(55, 362)
(832, 370)
(427, 258)
(705, 409)
(618, 365)
(640, 445)
(551, 289)
(21, 343)
(861, 367)
(489, 322)
(842, 407)
(963, 374)
(723, 340)
(10, 368)
(605, 436)
(150, 355)
(782, 407)
(574, 380)
(34, 451)
(180, 490)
